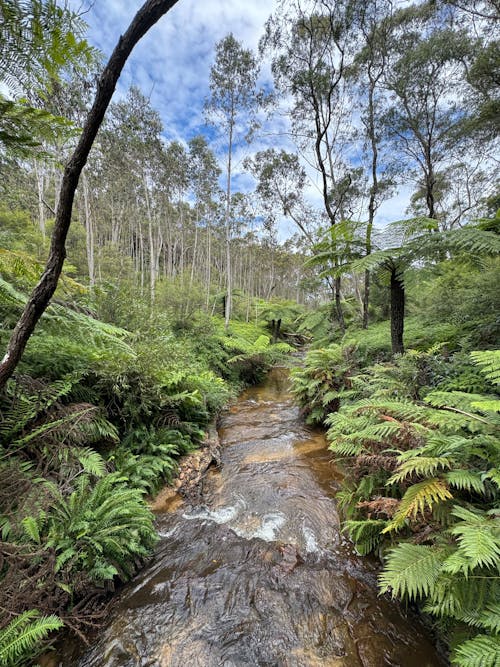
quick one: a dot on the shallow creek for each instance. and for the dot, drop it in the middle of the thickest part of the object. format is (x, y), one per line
(257, 572)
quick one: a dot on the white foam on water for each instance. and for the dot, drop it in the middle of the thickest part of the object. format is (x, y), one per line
(268, 529)
(221, 515)
(312, 545)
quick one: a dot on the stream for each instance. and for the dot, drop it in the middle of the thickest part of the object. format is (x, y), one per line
(258, 572)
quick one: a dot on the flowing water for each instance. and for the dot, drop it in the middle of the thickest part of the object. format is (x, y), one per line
(258, 572)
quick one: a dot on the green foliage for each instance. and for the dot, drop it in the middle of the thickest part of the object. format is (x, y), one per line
(425, 474)
(147, 457)
(102, 529)
(411, 570)
(481, 651)
(22, 636)
(366, 534)
(323, 380)
(373, 344)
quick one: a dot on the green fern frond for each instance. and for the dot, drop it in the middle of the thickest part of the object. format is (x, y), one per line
(478, 537)
(21, 637)
(420, 466)
(91, 461)
(366, 534)
(417, 498)
(481, 651)
(489, 363)
(465, 480)
(411, 570)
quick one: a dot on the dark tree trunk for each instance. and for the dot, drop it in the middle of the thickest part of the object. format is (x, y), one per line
(397, 312)
(338, 305)
(276, 327)
(145, 18)
(366, 299)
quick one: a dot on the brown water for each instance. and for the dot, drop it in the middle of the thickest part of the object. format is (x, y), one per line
(258, 572)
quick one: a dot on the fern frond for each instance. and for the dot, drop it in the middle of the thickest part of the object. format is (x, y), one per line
(21, 636)
(411, 570)
(366, 535)
(478, 537)
(420, 466)
(489, 363)
(417, 498)
(465, 480)
(91, 461)
(481, 651)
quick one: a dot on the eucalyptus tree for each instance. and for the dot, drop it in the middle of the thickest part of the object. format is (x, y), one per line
(311, 44)
(424, 112)
(203, 172)
(281, 180)
(232, 107)
(365, 75)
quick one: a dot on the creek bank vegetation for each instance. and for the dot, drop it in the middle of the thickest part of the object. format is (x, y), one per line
(418, 437)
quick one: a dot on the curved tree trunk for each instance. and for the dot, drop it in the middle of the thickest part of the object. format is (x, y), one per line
(397, 311)
(145, 18)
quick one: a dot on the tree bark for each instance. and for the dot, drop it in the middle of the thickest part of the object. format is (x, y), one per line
(146, 17)
(397, 311)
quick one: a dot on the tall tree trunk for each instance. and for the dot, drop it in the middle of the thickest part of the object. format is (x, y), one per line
(209, 263)
(338, 305)
(146, 17)
(373, 194)
(89, 231)
(397, 311)
(229, 282)
(40, 185)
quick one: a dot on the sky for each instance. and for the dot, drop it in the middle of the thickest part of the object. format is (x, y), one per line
(171, 66)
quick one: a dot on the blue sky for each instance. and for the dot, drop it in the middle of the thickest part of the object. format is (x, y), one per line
(171, 66)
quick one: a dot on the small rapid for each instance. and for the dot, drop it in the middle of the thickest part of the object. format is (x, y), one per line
(258, 572)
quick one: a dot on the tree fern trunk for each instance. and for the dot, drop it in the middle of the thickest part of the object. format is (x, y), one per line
(397, 312)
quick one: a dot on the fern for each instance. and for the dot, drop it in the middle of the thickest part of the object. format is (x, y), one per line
(92, 462)
(419, 466)
(417, 498)
(411, 570)
(489, 363)
(20, 639)
(106, 527)
(481, 651)
(465, 480)
(366, 535)
(478, 536)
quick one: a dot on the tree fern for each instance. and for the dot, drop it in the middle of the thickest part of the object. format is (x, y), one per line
(21, 638)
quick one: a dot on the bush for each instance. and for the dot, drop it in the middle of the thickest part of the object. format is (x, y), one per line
(323, 381)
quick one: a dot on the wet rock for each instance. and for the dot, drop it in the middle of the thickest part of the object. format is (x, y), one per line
(291, 558)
